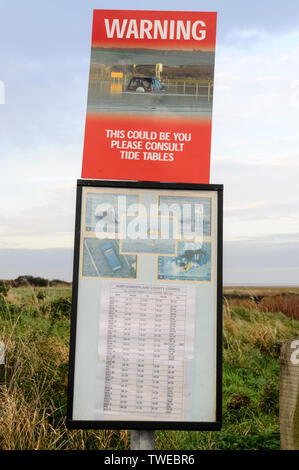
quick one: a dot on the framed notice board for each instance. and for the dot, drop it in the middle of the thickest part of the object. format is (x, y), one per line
(146, 326)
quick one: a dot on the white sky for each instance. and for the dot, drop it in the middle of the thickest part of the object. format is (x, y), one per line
(44, 65)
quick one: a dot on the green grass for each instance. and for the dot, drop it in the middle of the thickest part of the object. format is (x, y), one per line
(34, 325)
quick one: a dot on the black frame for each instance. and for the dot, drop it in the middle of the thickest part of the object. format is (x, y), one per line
(170, 425)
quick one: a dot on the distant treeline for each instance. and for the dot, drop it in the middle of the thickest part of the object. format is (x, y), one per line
(27, 280)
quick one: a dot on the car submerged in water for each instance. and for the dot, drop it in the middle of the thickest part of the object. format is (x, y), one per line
(145, 85)
(111, 256)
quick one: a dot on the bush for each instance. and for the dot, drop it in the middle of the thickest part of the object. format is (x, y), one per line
(28, 280)
(238, 401)
(60, 307)
(4, 288)
(269, 398)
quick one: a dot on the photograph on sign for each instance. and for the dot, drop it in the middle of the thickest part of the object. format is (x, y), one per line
(101, 209)
(101, 258)
(150, 96)
(192, 263)
(146, 306)
(155, 235)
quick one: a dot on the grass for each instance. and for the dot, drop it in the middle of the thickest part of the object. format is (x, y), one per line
(34, 325)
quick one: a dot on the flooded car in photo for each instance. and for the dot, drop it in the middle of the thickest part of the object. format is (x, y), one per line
(111, 256)
(145, 85)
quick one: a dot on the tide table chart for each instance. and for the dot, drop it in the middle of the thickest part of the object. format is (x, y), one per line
(145, 353)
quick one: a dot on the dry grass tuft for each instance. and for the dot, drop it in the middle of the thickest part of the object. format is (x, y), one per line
(288, 305)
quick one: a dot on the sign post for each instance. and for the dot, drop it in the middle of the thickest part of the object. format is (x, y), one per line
(142, 440)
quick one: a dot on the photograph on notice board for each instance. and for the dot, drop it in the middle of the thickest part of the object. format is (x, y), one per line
(190, 211)
(149, 235)
(101, 258)
(192, 263)
(103, 210)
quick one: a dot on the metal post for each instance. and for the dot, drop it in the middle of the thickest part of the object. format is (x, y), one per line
(142, 440)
